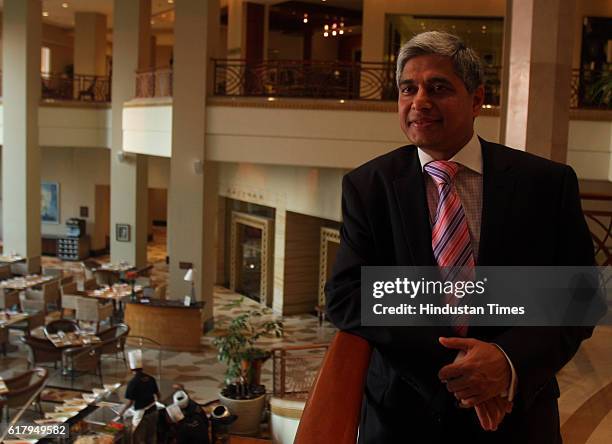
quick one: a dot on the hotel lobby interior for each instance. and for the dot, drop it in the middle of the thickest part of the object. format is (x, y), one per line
(172, 171)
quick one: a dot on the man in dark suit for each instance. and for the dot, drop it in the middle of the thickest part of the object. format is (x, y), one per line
(495, 206)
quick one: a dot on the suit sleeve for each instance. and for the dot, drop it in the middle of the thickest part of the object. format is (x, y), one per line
(398, 345)
(538, 353)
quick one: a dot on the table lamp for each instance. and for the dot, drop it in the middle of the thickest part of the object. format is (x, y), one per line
(189, 278)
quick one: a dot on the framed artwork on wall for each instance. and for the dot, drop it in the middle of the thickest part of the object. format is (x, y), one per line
(122, 232)
(50, 202)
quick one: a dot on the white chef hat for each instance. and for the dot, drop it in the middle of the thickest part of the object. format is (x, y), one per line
(174, 413)
(181, 399)
(135, 359)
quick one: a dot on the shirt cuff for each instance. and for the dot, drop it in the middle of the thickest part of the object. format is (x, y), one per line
(511, 391)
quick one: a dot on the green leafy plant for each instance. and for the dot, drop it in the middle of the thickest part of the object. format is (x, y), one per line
(237, 348)
(600, 92)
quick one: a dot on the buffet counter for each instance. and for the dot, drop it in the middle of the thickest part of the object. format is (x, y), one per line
(170, 323)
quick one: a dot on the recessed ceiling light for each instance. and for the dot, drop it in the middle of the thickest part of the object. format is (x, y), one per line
(45, 14)
(64, 5)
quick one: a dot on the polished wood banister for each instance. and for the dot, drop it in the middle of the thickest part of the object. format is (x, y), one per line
(333, 408)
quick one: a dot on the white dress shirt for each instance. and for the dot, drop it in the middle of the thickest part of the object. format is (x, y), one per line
(468, 183)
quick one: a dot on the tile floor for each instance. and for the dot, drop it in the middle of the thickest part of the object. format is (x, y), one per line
(586, 382)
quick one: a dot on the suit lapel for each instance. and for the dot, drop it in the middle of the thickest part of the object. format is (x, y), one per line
(497, 194)
(411, 199)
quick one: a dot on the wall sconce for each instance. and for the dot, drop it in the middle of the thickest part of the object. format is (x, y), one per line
(122, 156)
(198, 167)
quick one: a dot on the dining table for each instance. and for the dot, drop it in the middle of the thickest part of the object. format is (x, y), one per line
(25, 282)
(117, 294)
(11, 259)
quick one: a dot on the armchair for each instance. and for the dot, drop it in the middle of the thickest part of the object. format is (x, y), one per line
(70, 294)
(90, 310)
(50, 295)
(65, 325)
(81, 360)
(9, 299)
(5, 272)
(113, 340)
(21, 388)
(41, 351)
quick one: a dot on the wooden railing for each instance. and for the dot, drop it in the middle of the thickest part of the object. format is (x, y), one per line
(333, 408)
(79, 87)
(154, 83)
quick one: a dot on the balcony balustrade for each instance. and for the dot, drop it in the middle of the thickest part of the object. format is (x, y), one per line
(154, 83)
(78, 87)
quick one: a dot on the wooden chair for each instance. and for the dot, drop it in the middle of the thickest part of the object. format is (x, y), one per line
(4, 339)
(22, 387)
(113, 340)
(55, 272)
(80, 360)
(5, 272)
(35, 319)
(70, 294)
(106, 277)
(31, 305)
(90, 310)
(66, 280)
(50, 294)
(334, 405)
(9, 299)
(41, 351)
(64, 325)
(90, 284)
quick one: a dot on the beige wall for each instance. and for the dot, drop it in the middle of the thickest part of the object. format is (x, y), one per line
(324, 48)
(311, 191)
(163, 54)
(284, 47)
(373, 35)
(77, 171)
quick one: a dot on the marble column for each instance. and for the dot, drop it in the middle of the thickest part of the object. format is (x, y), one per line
(541, 43)
(192, 202)
(129, 193)
(21, 195)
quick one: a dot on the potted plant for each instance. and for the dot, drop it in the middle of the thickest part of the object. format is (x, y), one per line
(243, 394)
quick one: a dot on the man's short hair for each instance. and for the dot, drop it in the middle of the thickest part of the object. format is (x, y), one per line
(466, 62)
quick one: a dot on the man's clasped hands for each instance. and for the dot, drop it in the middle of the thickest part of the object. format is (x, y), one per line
(479, 377)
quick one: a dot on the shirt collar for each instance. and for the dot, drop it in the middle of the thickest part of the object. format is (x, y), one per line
(470, 156)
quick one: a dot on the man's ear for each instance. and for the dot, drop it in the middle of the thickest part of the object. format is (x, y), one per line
(478, 100)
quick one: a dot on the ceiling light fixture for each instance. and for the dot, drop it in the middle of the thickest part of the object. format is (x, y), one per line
(45, 14)
(171, 2)
(64, 5)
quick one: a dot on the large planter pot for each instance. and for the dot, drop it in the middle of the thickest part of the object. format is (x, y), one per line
(248, 411)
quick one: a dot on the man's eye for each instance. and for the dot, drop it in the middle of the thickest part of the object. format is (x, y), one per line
(408, 90)
(439, 88)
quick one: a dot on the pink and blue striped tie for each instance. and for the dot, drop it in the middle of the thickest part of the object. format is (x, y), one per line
(450, 237)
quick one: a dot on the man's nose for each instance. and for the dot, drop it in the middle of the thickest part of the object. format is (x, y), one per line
(421, 100)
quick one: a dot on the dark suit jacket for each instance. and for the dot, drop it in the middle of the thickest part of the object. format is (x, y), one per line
(531, 216)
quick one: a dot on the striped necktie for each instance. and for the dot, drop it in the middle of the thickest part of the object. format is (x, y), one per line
(450, 237)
